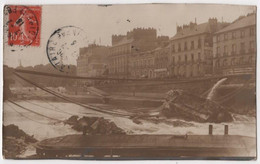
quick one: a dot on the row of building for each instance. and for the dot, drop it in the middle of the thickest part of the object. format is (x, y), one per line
(196, 50)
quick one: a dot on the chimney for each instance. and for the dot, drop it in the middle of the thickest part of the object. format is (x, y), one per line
(192, 25)
(213, 24)
(117, 38)
(185, 26)
(179, 29)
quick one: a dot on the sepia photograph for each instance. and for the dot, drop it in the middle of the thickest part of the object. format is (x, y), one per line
(129, 81)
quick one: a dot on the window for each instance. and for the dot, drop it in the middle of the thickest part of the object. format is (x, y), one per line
(233, 61)
(192, 45)
(185, 46)
(199, 43)
(225, 51)
(186, 59)
(233, 35)
(234, 48)
(250, 60)
(242, 33)
(225, 62)
(218, 38)
(217, 63)
(192, 57)
(252, 31)
(242, 47)
(199, 56)
(218, 51)
(173, 48)
(173, 59)
(179, 58)
(225, 36)
(241, 60)
(252, 46)
(179, 47)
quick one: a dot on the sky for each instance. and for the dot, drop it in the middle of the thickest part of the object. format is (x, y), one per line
(99, 23)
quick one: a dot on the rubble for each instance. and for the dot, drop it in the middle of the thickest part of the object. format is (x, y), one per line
(14, 131)
(179, 123)
(181, 105)
(13, 147)
(94, 125)
(137, 121)
(161, 119)
(15, 141)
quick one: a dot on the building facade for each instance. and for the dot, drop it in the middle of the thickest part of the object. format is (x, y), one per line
(196, 50)
(142, 65)
(92, 61)
(191, 49)
(153, 63)
(162, 62)
(235, 47)
(125, 48)
(118, 55)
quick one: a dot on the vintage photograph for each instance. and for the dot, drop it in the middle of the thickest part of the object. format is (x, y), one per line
(133, 81)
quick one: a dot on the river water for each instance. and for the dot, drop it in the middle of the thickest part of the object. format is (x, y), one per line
(43, 128)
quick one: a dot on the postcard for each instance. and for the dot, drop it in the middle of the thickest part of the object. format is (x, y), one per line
(139, 81)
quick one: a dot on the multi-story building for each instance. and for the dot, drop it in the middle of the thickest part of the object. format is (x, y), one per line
(142, 65)
(191, 49)
(162, 61)
(92, 61)
(137, 41)
(153, 63)
(235, 47)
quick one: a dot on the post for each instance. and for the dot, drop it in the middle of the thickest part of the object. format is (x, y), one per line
(210, 129)
(226, 129)
(134, 91)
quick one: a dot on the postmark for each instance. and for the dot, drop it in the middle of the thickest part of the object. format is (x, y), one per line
(23, 25)
(63, 47)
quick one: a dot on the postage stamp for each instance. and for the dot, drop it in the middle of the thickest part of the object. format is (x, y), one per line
(24, 25)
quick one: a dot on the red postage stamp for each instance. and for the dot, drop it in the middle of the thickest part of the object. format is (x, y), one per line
(24, 25)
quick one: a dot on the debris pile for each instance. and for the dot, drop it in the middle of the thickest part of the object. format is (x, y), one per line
(14, 131)
(179, 123)
(181, 105)
(161, 119)
(94, 125)
(15, 141)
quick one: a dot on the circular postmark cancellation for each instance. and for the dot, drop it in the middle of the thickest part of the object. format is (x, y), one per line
(63, 47)
(23, 25)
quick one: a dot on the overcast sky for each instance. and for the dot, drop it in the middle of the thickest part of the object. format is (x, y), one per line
(99, 23)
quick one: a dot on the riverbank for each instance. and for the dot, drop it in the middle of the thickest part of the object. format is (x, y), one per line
(15, 141)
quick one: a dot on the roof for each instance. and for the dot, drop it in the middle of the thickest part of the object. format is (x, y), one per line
(161, 48)
(249, 20)
(123, 41)
(198, 29)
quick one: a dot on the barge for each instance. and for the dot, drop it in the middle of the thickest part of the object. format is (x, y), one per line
(148, 147)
